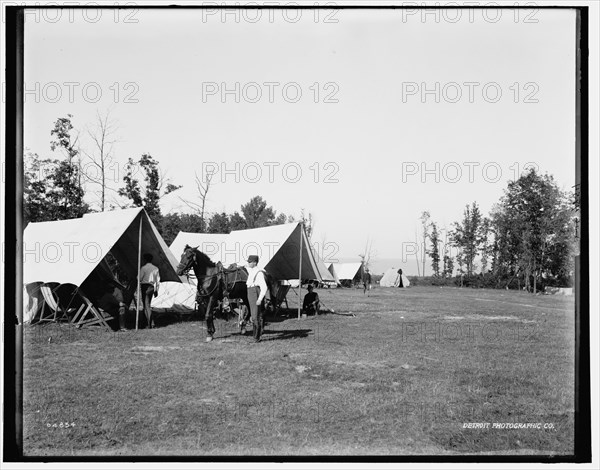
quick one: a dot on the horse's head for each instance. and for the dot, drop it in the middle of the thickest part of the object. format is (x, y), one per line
(187, 260)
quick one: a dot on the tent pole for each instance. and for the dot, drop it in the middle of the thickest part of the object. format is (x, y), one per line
(300, 274)
(139, 268)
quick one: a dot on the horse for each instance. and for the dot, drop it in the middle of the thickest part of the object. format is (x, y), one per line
(214, 284)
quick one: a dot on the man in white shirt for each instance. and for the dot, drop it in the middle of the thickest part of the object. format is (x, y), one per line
(150, 281)
(257, 289)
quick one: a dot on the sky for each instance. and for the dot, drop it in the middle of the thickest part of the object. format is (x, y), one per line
(364, 118)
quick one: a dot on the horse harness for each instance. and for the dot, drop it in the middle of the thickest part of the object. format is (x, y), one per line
(221, 276)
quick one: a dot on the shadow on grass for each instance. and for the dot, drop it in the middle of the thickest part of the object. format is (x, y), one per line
(271, 335)
(286, 334)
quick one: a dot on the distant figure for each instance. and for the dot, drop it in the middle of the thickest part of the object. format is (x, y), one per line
(311, 302)
(400, 283)
(150, 281)
(366, 281)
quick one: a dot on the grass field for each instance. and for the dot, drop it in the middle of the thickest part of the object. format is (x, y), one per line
(400, 372)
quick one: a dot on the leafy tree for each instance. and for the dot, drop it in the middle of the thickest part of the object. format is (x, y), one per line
(219, 223)
(148, 193)
(484, 234)
(53, 187)
(67, 193)
(63, 139)
(36, 187)
(257, 214)
(534, 229)
(434, 253)
(237, 221)
(448, 266)
(175, 222)
(466, 236)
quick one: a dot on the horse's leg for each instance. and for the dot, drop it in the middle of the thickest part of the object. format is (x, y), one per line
(210, 324)
(244, 297)
(242, 319)
(242, 311)
(247, 312)
(239, 292)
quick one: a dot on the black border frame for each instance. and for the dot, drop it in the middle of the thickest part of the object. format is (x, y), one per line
(13, 432)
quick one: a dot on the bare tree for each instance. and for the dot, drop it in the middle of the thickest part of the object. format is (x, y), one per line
(308, 223)
(368, 255)
(103, 140)
(425, 224)
(417, 253)
(202, 186)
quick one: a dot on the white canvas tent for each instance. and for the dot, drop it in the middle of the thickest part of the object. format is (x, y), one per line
(175, 297)
(391, 278)
(69, 251)
(277, 246)
(345, 272)
(331, 269)
(325, 274)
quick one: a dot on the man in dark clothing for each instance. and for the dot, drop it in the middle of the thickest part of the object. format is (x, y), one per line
(400, 284)
(311, 302)
(366, 281)
(112, 303)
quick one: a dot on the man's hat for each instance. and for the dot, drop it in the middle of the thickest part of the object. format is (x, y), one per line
(253, 259)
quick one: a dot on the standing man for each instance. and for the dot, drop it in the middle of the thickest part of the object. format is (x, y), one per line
(257, 289)
(400, 283)
(366, 281)
(149, 280)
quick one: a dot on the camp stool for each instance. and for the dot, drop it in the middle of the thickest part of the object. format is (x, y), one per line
(90, 315)
(280, 297)
(35, 304)
(52, 304)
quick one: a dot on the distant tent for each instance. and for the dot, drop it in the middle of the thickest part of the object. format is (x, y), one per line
(326, 276)
(391, 278)
(73, 251)
(346, 273)
(331, 269)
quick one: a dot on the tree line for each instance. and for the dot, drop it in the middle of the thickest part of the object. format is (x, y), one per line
(528, 241)
(54, 188)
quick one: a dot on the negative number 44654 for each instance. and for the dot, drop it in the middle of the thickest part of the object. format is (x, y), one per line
(60, 425)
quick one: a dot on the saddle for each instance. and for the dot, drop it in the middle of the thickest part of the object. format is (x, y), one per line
(234, 269)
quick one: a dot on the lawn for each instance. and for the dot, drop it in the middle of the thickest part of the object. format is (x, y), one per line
(400, 372)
